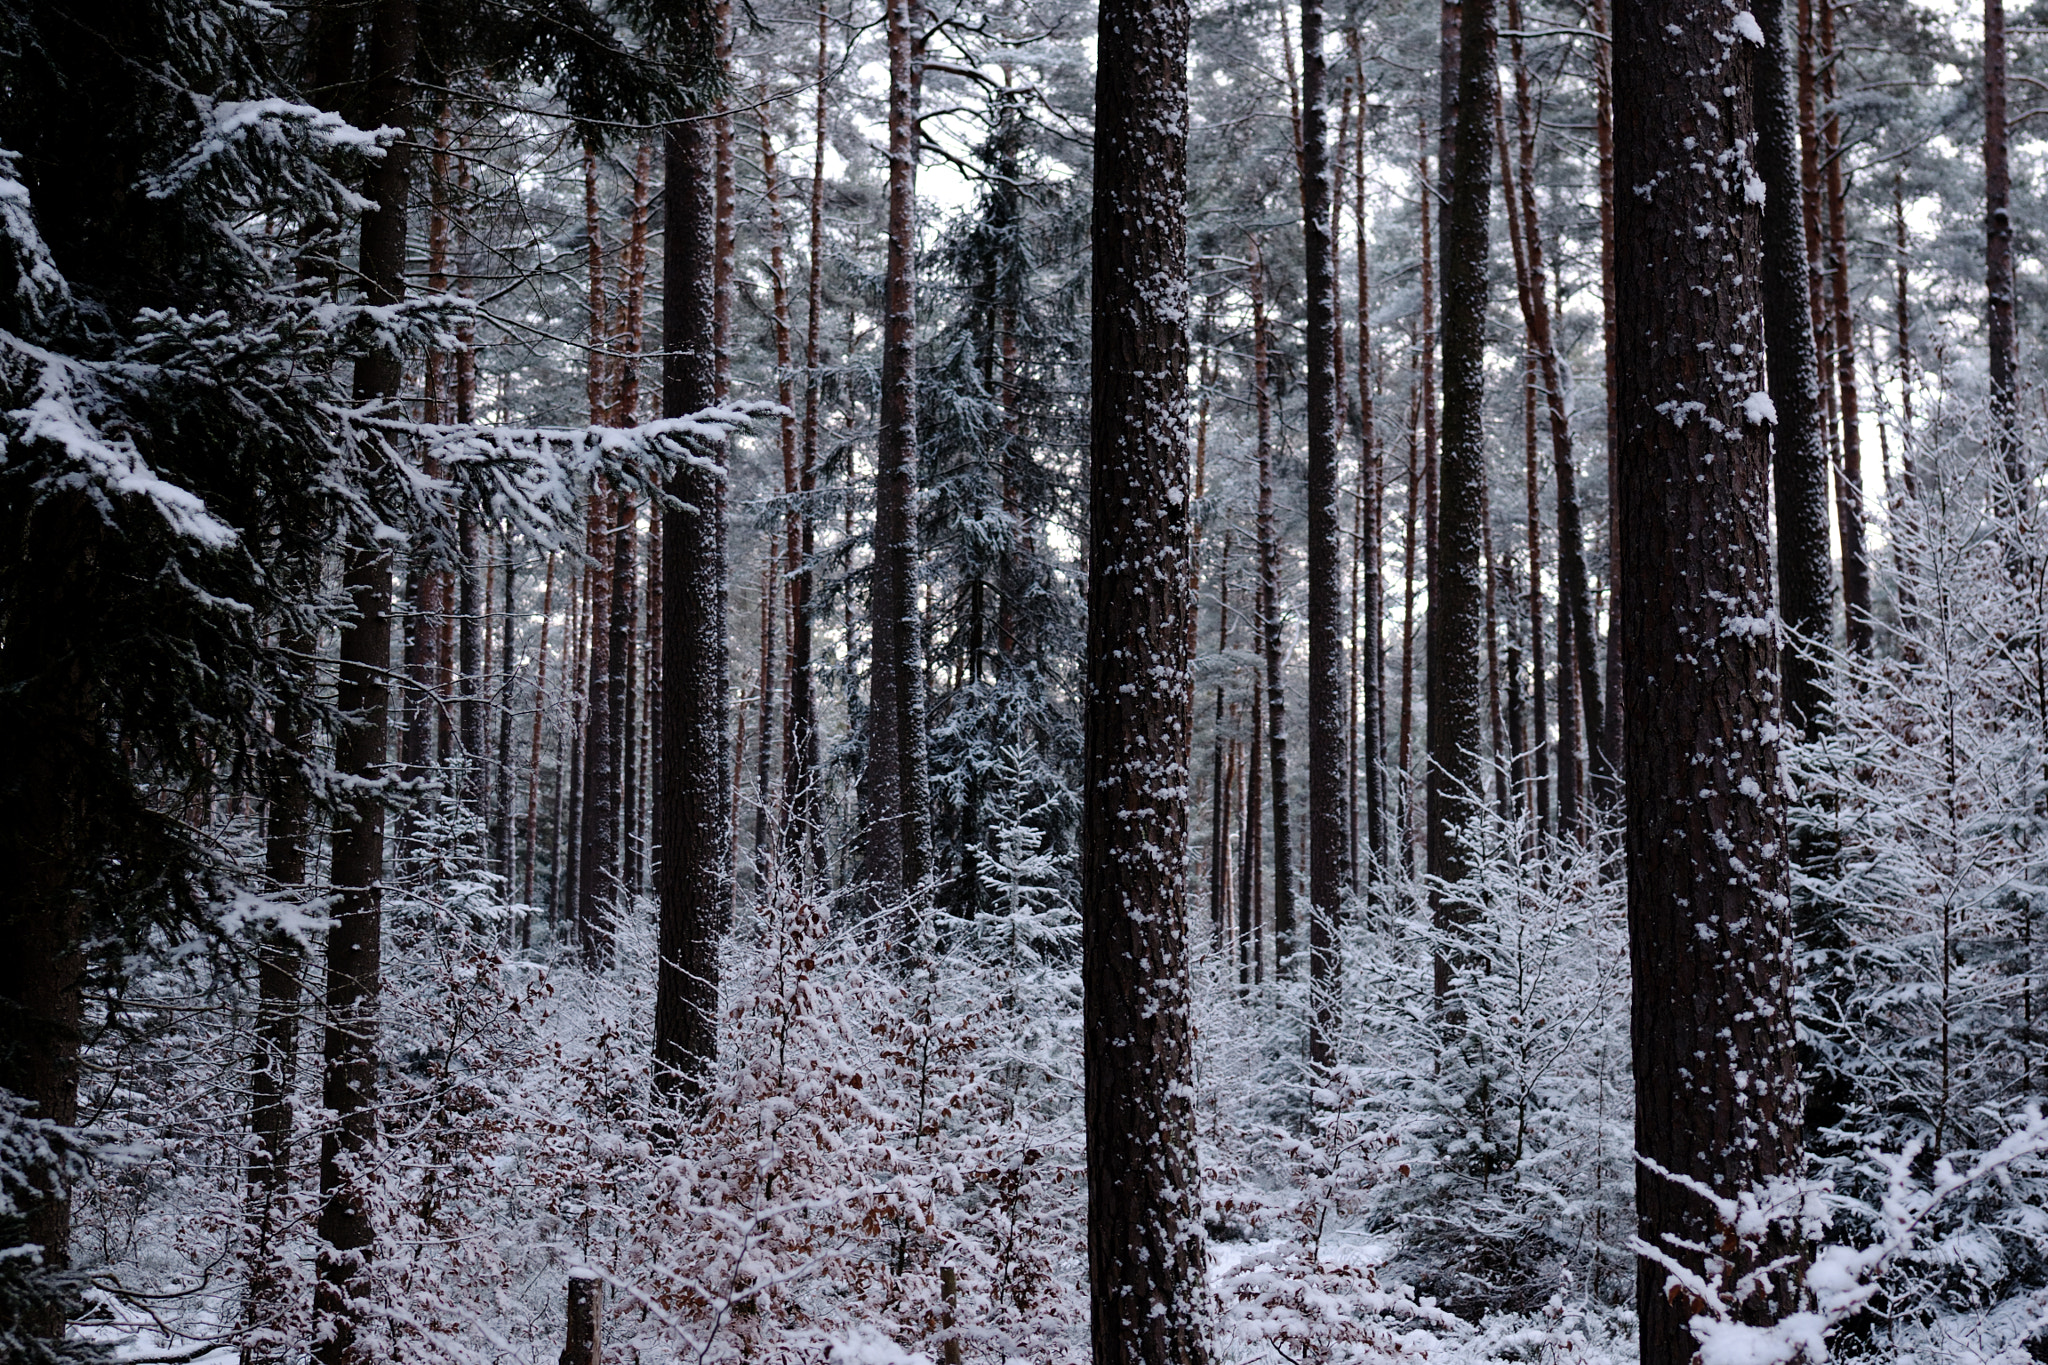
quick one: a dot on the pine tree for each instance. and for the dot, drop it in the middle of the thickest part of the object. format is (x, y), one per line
(1146, 1250)
(1706, 841)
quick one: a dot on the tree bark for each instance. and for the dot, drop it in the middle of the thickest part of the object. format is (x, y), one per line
(1371, 477)
(273, 1065)
(1456, 781)
(540, 706)
(1328, 807)
(348, 1090)
(1849, 474)
(800, 749)
(695, 801)
(1603, 119)
(1219, 804)
(1575, 598)
(1269, 630)
(1800, 454)
(897, 840)
(1711, 947)
(1147, 1255)
(1998, 270)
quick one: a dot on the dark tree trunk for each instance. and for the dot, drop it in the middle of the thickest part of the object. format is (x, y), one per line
(1146, 1251)
(348, 1090)
(501, 754)
(273, 1064)
(540, 706)
(800, 749)
(1799, 464)
(898, 835)
(1711, 946)
(1219, 804)
(1371, 477)
(1456, 782)
(469, 683)
(1328, 807)
(694, 809)
(1403, 826)
(1998, 272)
(1269, 634)
(1603, 119)
(1849, 474)
(597, 849)
(1575, 597)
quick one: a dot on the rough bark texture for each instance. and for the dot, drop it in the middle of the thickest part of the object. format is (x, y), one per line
(1146, 1251)
(273, 1063)
(1270, 633)
(694, 806)
(1456, 781)
(1799, 465)
(1717, 1085)
(1998, 276)
(800, 750)
(1849, 473)
(1575, 596)
(1328, 806)
(897, 836)
(348, 1088)
(598, 848)
(1603, 133)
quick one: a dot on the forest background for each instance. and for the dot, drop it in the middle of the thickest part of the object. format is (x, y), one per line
(321, 318)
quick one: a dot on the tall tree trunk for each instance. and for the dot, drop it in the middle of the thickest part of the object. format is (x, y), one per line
(597, 847)
(1603, 119)
(1404, 824)
(273, 1067)
(1270, 632)
(1503, 799)
(1328, 810)
(695, 801)
(789, 552)
(1456, 781)
(501, 754)
(540, 707)
(1219, 812)
(1800, 454)
(1998, 272)
(1251, 855)
(348, 1090)
(1147, 1255)
(1849, 474)
(1907, 494)
(1711, 947)
(1539, 705)
(1575, 598)
(764, 749)
(1371, 477)
(800, 749)
(897, 840)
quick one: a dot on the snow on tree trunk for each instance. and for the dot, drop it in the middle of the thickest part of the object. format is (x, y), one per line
(1146, 1249)
(1717, 1085)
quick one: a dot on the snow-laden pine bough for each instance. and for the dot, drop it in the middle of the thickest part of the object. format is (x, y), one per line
(1839, 1281)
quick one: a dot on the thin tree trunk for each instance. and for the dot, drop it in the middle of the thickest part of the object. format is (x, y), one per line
(1502, 800)
(1849, 474)
(597, 847)
(501, 756)
(1575, 599)
(1284, 945)
(1998, 269)
(1370, 477)
(1404, 827)
(1328, 818)
(1539, 706)
(348, 1090)
(1800, 456)
(800, 751)
(273, 1067)
(1907, 494)
(1219, 813)
(1251, 887)
(540, 706)
(1603, 117)
(1711, 947)
(764, 749)
(1147, 1255)
(695, 800)
(788, 553)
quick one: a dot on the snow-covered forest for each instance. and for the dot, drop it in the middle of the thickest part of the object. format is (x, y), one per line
(953, 682)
